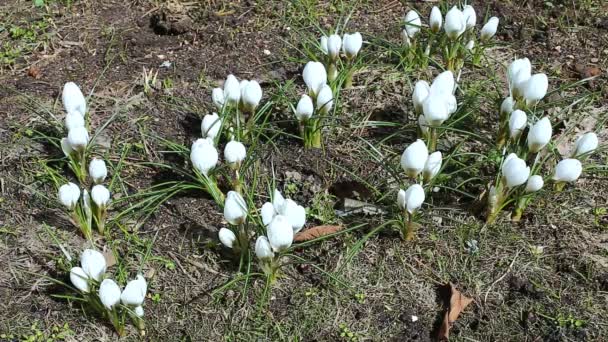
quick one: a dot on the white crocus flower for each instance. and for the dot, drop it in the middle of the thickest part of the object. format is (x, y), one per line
(539, 135)
(109, 293)
(489, 29)
(235, 208)
(515, 171)
(323, 44)
(568, 170)
(277, 200)
(227, 237)
(280, 233)
(134, 293)
(421, 91)
(436, 19)
(507, 107)
(517, 123)
(79, 279)
(455, 23)
(69, 195)
(98, 170)
(315, 77)
(73, 120)
(325, 100)
(585, 144)
(139, 311)
(414, 158)
(401, 202)
(251, 95)
(295, 214)
(535, 88)
(234, 153)
(444, 83)
(100, 195)
(423, 125)
(518, 74)
(435, 109)
(267, 212)
(534, 183)
(263, 250)
(203, 155)
(412, 23)
(210, 125)
(334, 44)
(305, 108)
(414, 197)
(218, 98)
(351, 44)
(432, 166)
(470, 16)
(232, 90)
(78, 138)
(73, 99)
(93, 264)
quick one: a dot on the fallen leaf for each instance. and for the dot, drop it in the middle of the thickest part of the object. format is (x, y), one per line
(458, 302)
(34, 72)
(110, 259)
(316, 232)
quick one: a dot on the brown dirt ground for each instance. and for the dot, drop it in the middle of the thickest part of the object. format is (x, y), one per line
(103, 46)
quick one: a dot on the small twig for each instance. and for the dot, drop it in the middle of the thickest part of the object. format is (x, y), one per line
(485, 299)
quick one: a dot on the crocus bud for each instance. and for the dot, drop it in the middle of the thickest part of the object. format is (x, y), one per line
(534, 184)
(98, 170)
(517, 123)
(539, 135)
(69, 195)
(334, 44)
(305, 108)
(227, 237)
(263, 250)
(401, 199)
(203, 155)
(109, 293)
(585, 144)
(421, 91)
(134, 293)
(436, 19)
(351, 44)
(405, 38)
(93, 264)
(435, 109)
(423, 125)
(73, 100)
(568, 170)
(414, 158)
(79, 279)
(507, 107)
(139, 311)
(515, 171)
(470, 45)
(235, 153)
(78, 138)
(315, 77)
(217, 95)
(455, 23)
(210, 125)
(444, 83)
(251, 95)
(277, 200)
(100, 195)
(414, 197)
(267, 212)
(535, 88)
(412, 23)
(73, 120)
(432, 166)
(295, 214)
(489, 29)
(66, 147)
(324, 44)
(518, 74)
(242, 85)
(325, 100)
(232, 90)
(235, 208)
(470, 16)
(280, 233)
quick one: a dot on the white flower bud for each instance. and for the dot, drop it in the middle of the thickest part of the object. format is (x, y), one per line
(235, 152)
(217, 95)
(507, 107)
(517, 123)
(421, 91)
(435, 109)
(78, 138)
(325, 100)
(568, 170)
(305, 108)
(444, 83)
(79, 279)
(489, 29)
(69, 195)
(455, 23)
(534, 184)
(470, 16)
(280, 233)
(210, 125)
(277, 200)
(232, 90)
(98, 170)
(515, 171)
(263, 250)
(203, 155)
(93, 264)
(109, 293)
(267, 212)
(334, 44)
(139, 311)
(134, 293)
(539, 135)
(235, 208)
(227, 237)
(423, 125)
(295, 214)
(535, 88)
(401, 201)
(414, 158)
(323, 44)
(351, 44)
(412, 23)
(436, 19)
(73, 120)
(315, 77)
(73, 100)
(432, 166)
(100, 195)
(585, 144)
(414, 197)
(251, 95)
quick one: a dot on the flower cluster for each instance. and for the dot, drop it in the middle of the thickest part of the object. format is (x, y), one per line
(105, 295)
(350, 45)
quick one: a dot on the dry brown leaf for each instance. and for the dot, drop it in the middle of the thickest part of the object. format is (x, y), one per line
(458, 302)
(34, 72)
(316, 232)
(110, 259)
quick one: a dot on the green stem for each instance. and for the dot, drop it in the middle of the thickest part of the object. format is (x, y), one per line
(432, 139)
(522, 203)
